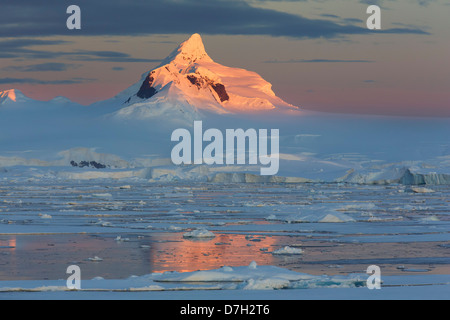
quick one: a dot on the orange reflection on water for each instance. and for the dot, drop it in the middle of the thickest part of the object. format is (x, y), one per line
(9, 243)
(224, 250)
(7, 246)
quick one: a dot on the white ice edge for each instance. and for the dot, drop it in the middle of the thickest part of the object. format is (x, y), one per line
(235, 279)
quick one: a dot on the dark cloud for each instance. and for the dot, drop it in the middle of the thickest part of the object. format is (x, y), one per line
(328, 15)
(36, 81)
(372, 2)
(319, 61)
(379, 3)
(120, 17)
(109, 56)
(42, 67)
(277, 1)
(425, 2)
(25, 48)
(353, 20)
(20, 48)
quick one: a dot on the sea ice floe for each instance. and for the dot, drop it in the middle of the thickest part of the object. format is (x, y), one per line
(255, 277)
(249, 277)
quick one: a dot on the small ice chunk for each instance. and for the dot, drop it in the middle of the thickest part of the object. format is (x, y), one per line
(125, 187)
(147, 288)
(95, 259)
(266, 284)
(227, 269)
(253, 265)
(288, 250)
(199, 233)
(421, 190)
(222, 244)
(358, 207)
(430, 219)
(331, 218)
(45, 216)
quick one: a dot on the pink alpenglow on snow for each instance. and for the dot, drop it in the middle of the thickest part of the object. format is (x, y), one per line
(12, 95)
(189, 81)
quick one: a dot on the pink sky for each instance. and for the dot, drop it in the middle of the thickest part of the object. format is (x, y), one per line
(397, 74)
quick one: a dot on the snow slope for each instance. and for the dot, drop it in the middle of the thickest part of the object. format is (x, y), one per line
(11, 96)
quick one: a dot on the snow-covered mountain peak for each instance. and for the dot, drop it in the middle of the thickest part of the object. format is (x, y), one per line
(189, 82)
(61, 100)
(12, 95)
(190, 51)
